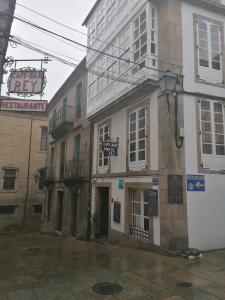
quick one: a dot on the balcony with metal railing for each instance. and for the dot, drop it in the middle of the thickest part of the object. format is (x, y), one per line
(74, 172)
(62, 121)
(50, 176)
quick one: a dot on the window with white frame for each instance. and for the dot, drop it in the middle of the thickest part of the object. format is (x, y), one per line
(111, 9)
(103, 157)
(101, 18)
(212, 134)
(124, 51)
(137, 139)
(140, 219)
(140, 40)
(209, 51)
(153, 36)
(92, 31)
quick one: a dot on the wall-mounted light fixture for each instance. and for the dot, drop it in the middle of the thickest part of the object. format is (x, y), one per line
(167, 85)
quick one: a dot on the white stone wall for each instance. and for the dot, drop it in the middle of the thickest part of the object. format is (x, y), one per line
(206, 210)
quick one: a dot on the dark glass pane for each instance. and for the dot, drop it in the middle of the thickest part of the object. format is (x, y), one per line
(141, 145)
(146, 224)
(219, 139)
(207, 137)
(132, 136)
(207, 149)
(206, 126)
(203, 63)
(205, 105)
(141, 123)
(216, 65)
(133, 156)
(141, 155)
(220, 150)
(141, 134)
(9, 183)
(218, 107)
(218, 118)
(132, 147)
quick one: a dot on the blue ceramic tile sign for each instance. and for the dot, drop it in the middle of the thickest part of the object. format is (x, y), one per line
(155, 181)
(195, 183)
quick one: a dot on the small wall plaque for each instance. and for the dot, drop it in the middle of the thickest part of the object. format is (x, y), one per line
(117, 211)
(175, 189)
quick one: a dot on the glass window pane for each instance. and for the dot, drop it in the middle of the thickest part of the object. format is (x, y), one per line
(202, 25)
(132, 136)
(216, 65)
(219, 139)
(205, 105)
(133, 127)
(207, 149)
(146, 224)
(136, 221)
(206, 126)
(141, 155)
(206, 116)
(137, 208)
(219, 128)
(132, 147)
(141, 145)
(218, 118)
(133, 156)
(207, 137)
(141, 134)
(141, 123)
(218, 107)
(220, 150)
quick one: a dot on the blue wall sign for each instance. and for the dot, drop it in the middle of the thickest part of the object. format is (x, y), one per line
(195, 183)
(155, 181)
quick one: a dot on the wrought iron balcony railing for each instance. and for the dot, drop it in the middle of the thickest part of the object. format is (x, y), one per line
(62, 121)
(74, 169)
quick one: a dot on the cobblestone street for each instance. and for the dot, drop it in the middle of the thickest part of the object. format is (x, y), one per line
(42, 267)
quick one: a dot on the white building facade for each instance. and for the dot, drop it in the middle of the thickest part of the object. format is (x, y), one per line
(163, 184)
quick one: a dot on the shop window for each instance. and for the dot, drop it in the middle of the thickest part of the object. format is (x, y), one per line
(140, 218)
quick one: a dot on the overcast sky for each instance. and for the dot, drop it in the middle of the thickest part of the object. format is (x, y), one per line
(69, 12)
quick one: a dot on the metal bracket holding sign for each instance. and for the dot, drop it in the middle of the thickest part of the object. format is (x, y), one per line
(111, 147)
(195, 183)
(151, 197)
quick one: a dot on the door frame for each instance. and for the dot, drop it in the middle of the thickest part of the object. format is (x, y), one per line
(97, 201)
(58, 209)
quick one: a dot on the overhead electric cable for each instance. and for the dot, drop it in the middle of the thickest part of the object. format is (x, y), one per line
(96, 39)
(82, 45)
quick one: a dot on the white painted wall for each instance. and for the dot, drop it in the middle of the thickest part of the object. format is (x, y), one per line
(206, 210)
(118, 164)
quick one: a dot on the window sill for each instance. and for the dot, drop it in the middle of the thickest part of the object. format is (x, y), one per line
(8, 191)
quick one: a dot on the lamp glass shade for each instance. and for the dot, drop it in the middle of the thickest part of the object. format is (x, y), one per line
(167, 82)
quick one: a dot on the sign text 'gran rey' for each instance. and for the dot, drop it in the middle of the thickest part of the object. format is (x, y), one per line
(23, 105)
(26, 81)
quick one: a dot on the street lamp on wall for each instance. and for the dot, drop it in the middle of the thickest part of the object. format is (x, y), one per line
(167, 85)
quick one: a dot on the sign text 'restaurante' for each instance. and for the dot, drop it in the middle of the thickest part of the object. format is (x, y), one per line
(23, 105)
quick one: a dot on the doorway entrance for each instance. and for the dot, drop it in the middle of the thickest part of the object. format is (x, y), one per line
(60, 211)
(103, 212)
(74, 205)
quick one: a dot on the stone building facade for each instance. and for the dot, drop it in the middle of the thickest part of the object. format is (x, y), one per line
(23, 140)
(67, 181)
(163, 186)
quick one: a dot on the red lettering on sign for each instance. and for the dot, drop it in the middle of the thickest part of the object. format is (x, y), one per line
(25, 89)
(33, 83)
(17, 86)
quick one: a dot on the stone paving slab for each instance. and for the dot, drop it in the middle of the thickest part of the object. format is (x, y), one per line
(35, 267)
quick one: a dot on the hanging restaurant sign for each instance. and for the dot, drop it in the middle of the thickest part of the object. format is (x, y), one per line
(111, 147)
(27, 81)
(23, 105)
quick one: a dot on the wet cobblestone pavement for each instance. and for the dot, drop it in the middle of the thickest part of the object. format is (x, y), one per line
(34, 267)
